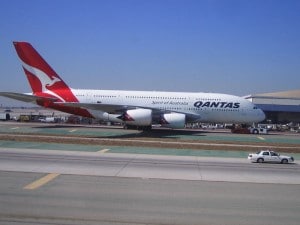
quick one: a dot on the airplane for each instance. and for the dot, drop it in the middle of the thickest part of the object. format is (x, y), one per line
(134, 109)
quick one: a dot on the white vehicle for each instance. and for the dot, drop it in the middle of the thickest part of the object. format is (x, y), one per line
(258, 130)
(132, 108)
(269, 156)
(47, 120)
(4, 116)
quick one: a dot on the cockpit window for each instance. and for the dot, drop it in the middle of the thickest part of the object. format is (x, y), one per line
(254, 107)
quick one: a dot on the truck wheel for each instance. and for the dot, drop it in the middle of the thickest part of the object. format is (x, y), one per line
(260, 160)
(284, 161)
(255, 131)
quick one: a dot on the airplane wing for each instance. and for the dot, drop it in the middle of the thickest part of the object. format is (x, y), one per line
(109, 108)
(115, 109)
(25, 97)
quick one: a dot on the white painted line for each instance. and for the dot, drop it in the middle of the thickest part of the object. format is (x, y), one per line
(71, 131)
(103, 150)
(14, 128)
(261, 138)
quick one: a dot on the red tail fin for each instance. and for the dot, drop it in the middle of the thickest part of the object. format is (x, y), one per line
(42, 78)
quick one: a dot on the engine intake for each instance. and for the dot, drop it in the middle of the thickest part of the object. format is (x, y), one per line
(137, 117)
(173, 120)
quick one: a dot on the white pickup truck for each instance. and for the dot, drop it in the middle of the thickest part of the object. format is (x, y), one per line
(269, 156)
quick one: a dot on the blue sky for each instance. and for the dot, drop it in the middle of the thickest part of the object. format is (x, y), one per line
(228, 46)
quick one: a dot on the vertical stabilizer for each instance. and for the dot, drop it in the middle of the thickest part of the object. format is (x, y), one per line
(42, 78)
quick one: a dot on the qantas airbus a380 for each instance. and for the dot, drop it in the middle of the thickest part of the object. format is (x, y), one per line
(132, 108)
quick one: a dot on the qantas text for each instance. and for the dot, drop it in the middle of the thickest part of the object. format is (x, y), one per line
(232, 105)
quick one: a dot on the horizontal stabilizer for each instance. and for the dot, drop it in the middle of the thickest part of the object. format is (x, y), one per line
(25, 97)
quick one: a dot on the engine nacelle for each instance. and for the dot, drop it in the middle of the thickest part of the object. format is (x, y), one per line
(137, 117)
(173, 120)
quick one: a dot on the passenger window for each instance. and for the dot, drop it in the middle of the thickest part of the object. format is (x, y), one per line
(266, 153)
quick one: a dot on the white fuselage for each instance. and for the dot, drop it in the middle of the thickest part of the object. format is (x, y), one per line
(198, 107)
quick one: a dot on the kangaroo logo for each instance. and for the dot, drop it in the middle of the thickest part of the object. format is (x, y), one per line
(45, 80)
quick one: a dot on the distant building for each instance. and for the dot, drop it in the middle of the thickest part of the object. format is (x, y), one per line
(279, 107)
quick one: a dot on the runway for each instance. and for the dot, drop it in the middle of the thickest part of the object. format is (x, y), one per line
(47, 187)
(147, 166)
(99, 185)
(93, 200)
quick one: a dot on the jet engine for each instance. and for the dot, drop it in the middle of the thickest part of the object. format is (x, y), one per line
(173, 120)
(137, 117)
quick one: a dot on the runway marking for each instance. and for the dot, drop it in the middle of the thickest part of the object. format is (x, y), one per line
(71, 131)
(14, 128)
(42, 181)
(261, 138)
(103, 150)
